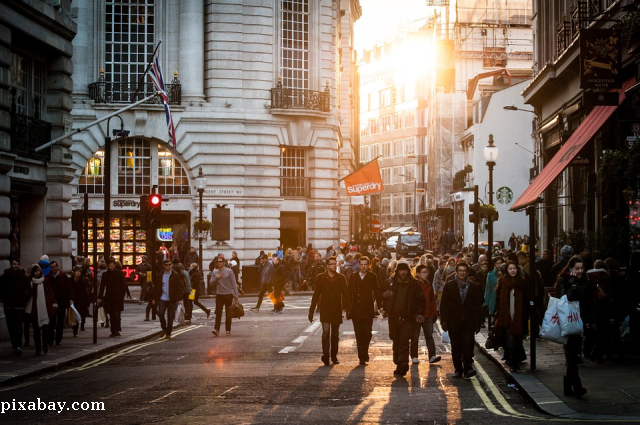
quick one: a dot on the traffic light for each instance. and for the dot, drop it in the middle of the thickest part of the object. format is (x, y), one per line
(474, 213)
(154, 205)
(144, 211)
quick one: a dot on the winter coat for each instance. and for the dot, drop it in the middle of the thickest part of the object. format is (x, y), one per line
(175, 287)
(431, 309)
(413, 304)
(490, 290)
(457, 316)
(197, 281)
(577, 290)
(62, 289)
(363, 293)
(335, 297)
(80, 290)
(113, 288)
(15, 290)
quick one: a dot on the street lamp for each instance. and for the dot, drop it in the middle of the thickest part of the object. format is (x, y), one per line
(202, 183)
(490, 155)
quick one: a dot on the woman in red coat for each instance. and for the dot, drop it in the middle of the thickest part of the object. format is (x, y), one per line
(511, 314)
(430, 316)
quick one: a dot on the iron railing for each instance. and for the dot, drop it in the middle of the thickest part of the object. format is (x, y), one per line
(581, 14)
(106, 92)
(27, 133)
(287, 98)
(294, 187)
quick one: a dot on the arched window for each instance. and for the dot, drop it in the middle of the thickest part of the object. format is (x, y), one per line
(135, 171)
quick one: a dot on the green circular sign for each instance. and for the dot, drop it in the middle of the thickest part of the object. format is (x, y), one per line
(504, 195)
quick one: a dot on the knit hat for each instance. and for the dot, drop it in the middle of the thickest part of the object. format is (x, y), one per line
(566, 251)
(402, 264)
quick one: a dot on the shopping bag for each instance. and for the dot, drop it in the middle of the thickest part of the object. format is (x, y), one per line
(179, 318)
(569, 317)
(192, 295)
(551, 324)
(237, 310)
(102, 316)
(497, 338)
(75, 312)
(445, 337)
(70, 319)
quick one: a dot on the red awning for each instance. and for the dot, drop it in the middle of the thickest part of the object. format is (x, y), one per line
(585, 131)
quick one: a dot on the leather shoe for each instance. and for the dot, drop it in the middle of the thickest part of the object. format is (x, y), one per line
(325, 359)
(335, 360)
(470, 374)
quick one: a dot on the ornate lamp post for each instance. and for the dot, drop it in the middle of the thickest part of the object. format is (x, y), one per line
(202, 183)
(490, 155)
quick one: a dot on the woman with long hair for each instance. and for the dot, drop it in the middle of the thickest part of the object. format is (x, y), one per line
(80, 284)
(40, 307)
(511, 314)
(573, 283)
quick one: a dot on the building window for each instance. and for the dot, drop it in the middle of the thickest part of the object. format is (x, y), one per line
(26, 85)
(398, 175)
(130, 29)
(293, 180)
(364, 151)
(409, 172)
(172, 177)
(408, 203)
(91, 180)
(399, 94)
(364, 129)
(386, 149)
(385, 204)
(373, 126)
(397, 200)
(375, 151)
(134, 166)
(397, 148)
(397, 121)
(409, 119)
(294, 55)
(385, 123)
(385, 97)
(385, 173)
(410, 146)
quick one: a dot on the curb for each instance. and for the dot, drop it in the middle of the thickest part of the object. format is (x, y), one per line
(47, 366)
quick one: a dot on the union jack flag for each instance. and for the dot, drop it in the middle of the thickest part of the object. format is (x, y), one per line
(155, 72)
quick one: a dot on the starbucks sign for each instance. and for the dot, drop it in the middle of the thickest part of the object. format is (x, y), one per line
(504, 195)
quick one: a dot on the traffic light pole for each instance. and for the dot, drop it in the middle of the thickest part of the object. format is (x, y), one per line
(475, 224)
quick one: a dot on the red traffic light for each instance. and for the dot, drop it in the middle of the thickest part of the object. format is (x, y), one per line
(155, 200)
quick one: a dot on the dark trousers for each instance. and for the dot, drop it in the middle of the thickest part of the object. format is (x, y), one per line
(427, 327)
(188, 307)
(330, 338)
(40, 336)
(362, 329)
(143, 290)
(573, 348)
(56, 326)
(15, 318)
(153, 308)
(400, 332)
(167, 323)
(223, 301)
(462, 349)
(277, 296)
(199, 304)
(115, 316)
(263, 290)
(83, 316)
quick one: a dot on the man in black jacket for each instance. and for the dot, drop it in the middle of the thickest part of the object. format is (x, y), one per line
(111, 295)
(316, 268)
(14, 292)
(63, 292)
(364, 289)
(461, 316)
(404, 303)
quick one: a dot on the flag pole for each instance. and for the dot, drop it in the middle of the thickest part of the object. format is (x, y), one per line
(141, 82)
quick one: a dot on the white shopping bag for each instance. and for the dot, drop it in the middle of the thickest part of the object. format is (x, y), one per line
(445, 337)
(551, 324)
(179, 314)
(75, 312)
(569, 317)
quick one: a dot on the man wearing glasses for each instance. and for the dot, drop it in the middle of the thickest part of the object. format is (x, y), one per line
(168, 295)
(14, 292)
(363, 288)
(227, 291)
(331, 287)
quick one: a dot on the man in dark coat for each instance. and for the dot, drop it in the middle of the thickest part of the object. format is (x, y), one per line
(190, 257)
(332, 288)
(404, 303)
(63, 293)
(111, 295)
(314, 270)
(15, 291)
(142, 269)
(461, 316)
(364, 289)
(168, 294)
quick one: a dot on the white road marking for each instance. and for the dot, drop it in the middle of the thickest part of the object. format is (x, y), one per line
(300, 339)
(164, 396)
(287, 350)
(230, 389)
(312, 328)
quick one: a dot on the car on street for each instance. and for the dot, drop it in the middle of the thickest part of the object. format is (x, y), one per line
(410, 244)
(391, 243)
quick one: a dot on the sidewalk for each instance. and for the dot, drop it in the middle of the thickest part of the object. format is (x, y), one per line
(613, 387)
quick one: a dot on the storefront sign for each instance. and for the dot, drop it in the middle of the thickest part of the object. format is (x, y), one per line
(125, 203)
(600, 59)
(225, 191)
(165, 234)
(504, 195)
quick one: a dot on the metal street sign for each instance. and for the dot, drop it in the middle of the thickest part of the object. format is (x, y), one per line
(375, 226)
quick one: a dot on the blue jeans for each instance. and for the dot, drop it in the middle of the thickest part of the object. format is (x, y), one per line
(171, 307)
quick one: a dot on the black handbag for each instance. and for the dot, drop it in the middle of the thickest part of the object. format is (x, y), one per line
(236, 310)
(497, 338)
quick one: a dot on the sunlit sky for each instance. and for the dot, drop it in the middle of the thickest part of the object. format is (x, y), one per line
(381, 19)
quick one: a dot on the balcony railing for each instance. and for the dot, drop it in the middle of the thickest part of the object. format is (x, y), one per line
(28, 133)
(580, 16)
(106, 92)
(310, 100)
(294, 187)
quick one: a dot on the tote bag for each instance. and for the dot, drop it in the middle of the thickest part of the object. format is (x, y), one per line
(551, 324)
(569, 317)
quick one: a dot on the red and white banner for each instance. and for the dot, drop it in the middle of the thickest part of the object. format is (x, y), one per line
(365, 180)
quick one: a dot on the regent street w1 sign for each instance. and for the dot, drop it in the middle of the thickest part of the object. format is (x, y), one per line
(600, 59)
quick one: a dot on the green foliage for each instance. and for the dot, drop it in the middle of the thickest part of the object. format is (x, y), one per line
(621, 166)
(611, 242)
(628, 26)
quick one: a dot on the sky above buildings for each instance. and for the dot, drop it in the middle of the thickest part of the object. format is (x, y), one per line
(383, 19)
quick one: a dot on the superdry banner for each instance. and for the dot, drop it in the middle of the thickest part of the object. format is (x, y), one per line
(365, 180)
(599, 59)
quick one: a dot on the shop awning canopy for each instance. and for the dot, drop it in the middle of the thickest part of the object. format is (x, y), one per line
(585, 131)
(403, 229)
(390, 230)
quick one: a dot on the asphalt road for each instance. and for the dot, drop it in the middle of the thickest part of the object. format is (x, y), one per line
(267, 371)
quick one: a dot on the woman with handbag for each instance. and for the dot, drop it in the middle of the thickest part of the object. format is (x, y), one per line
(511, 314)
(573, 283)
(81, 299)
